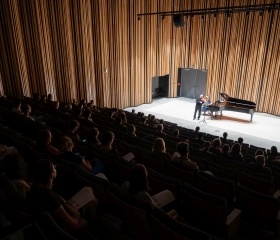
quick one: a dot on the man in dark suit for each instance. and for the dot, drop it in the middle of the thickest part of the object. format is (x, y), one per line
(198, 105)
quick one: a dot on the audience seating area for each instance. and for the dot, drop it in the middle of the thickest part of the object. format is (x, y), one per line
(223, 200)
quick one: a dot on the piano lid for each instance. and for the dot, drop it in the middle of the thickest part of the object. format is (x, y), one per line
(231, 100)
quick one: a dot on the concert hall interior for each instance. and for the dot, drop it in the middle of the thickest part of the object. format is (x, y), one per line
(121, 94)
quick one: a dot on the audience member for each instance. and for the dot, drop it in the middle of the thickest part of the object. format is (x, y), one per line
(72, 128)
(92, 138)
(16, 108)
(224, 139)
(199, 139)
(63, 212)
(226, 152)
(159, 132)
(26, 109)
(273, 154)
(50, 98)
(14, 168)
(107, 140)
(216, 147)
(43, 143)
(66, 147)
(137, 188)
(183, 160)
(236, 154)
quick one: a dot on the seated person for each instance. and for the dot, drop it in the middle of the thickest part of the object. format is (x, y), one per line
(14, 168)
(17, 107)
(26, 109)
(107, 140)
(159, 150)
(199, 139)
(72, 128)
(137, 188)
(66, 147)
(224, 138)
(63, 212)
(183, 160)
(273, 154)
(49, 98)
(131, 131)
(216, 147)
(92, 138)
(226, 152)
(260, 165)
(236, 154)
(159, 132)
(43, 143)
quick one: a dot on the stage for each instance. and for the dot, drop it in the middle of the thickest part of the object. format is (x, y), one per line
(262, 131)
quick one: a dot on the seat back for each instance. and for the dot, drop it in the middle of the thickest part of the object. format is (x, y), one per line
(259, 210)
(201, 206)
(168, 228)
(256, 184)
(98, 185)
(185, 175)
(217, 186)
(159, 182)
(135, 219)
(224, 172)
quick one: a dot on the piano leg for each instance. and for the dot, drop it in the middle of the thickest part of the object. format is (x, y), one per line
(251, 117)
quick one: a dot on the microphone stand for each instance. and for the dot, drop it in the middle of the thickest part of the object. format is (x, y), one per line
(203, 120)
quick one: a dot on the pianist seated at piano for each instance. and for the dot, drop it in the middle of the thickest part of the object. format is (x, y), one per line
(227, 103)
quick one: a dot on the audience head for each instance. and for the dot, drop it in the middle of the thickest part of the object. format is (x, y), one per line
(143, 119)
(26, 109)
(74, 125)
(153, 117)
(236, 148)
(216, 143)
(133, 111)
(107, 138)
(138, 180)
(159, 127)
(123, 117)
(274, 150)
(44, 137)
(159, 145)
(161, 121)
(66, 144)
(197, 129)
(183, 149)
(259, 152)
(149, 116)
(176, 133)
(36, 96)
(131, 129)
(207, 144)
(93, 135)
(260, 160)
(225, 148)
(14, 166)
(50, 97)
(68, 106)
(225, 134)
(240, 140)
(44, 171)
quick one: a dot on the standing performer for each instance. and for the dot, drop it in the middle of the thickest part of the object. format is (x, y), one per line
(198, 105)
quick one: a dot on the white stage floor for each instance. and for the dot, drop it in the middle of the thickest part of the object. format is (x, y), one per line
(263, 131)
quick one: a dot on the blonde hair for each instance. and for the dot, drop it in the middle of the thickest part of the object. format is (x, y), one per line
(66, 144)
(159, 145)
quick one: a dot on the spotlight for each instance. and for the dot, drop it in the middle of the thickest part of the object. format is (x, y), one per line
(261, 13)
(215, 15)
(162, 17)
(202, 17)
(138, 18)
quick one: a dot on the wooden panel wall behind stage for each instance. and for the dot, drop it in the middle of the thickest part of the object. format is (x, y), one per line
(98, 49)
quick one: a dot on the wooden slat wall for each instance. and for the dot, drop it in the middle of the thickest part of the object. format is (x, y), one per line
(98, 49)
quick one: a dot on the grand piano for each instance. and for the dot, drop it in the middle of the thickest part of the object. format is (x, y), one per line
(232, 104)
